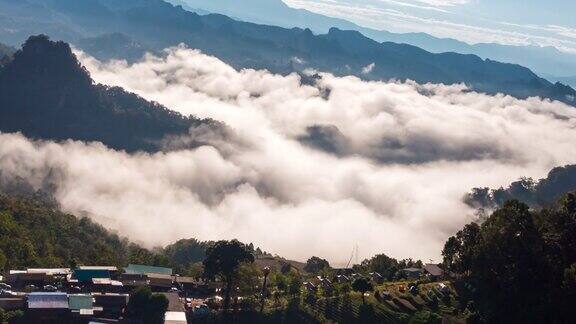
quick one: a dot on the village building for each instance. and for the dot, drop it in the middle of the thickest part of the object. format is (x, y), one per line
(310, 287)
(81, 306)
(175, 318)
(187, 285)
(106, 285)
(433, 271)
(376, 277)
(342, 279)
(144, 269)
(160, 282)
(112, 305)
(15, 302)
(21, 279)
(412, 273)
(130, 281)
(85, 276)
(47, 307)
(348, 272)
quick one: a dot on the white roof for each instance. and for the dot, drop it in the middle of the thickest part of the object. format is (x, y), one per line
(175, 318)
(106, 281)
(109, 268)
(86, 312)
(50, 271)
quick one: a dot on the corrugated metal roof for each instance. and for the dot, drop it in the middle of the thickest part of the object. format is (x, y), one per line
(143, 269)
(48, 300)
(109, 268)
(50, 271)
(88, 275)
(79, 302)
(433, 269)
(106, 281)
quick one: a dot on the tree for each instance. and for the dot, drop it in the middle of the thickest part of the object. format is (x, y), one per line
(295, 285)
(247, 278)
(501, 258)
(223, 259)
(316, 264)
(281, 282)
(382, 264)
(157, 307)
(147, 307)
(362, 286)
(459, 251)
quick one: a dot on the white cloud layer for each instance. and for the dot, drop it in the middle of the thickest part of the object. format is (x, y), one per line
(412, 152)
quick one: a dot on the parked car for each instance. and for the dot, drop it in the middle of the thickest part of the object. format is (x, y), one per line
(50, 288)
(201, 310)
(30, 288)
(7, 293)
(75, 289)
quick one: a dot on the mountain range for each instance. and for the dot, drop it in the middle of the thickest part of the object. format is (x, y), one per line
(546, 61)
(140, 25)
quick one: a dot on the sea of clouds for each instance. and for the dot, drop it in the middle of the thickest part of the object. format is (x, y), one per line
(310, 168)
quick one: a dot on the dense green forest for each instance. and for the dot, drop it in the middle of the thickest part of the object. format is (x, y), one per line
(37, 234)
(518, 266)
(46, 93)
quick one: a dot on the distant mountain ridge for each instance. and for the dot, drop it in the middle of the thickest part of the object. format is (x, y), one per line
(156, 24)
(45, 93)
(547, 61)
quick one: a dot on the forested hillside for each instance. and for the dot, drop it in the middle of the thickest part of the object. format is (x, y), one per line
(535, 193)
(45, 93)
(37, 234)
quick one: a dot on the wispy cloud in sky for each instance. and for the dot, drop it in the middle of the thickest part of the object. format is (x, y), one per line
(443, 18)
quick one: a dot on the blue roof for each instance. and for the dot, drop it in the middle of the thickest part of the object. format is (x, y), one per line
(44, 300)
(87, 275)
(144, 269)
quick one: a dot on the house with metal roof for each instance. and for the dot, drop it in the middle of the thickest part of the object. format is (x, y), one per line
(47, 307)
(22, 279)
(48, 300)
(112, 305)
(144, 269)
(50, 271)
(109, 268)
(86, 276)
(160, 282)
(433, 271)
(81, 305)
(412, 273)
(106, 285)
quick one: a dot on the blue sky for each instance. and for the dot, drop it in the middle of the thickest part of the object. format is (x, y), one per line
(517, 22)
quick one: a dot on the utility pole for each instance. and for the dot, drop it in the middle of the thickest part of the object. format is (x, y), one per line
(266, 271)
